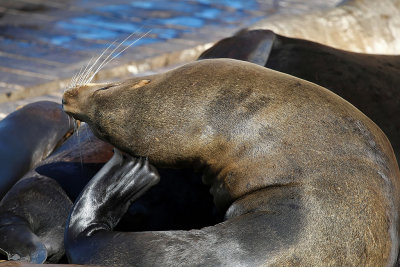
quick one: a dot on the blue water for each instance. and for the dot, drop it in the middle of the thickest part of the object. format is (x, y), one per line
(181, 6)
(103, 23)
(87, 31)
(208, 13)
(166, 33)
(144, 4)
(189, 22)
(166, 19)
(236, 4)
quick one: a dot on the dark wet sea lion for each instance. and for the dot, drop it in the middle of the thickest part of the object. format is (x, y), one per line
(32, 220)
(305, 178)
(24, 264)
(27, 136)
(369, 82)
(252, 46)
(34, 211)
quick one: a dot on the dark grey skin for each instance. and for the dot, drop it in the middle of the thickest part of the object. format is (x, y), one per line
(34, 211)
(27, 136)
(369, 82)
(32, 220)
(104, 201)
(304, 177)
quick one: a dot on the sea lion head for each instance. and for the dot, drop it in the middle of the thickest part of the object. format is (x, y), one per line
(104, 106)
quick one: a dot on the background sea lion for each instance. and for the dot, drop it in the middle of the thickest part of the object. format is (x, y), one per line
(27, 136)
(24, 264)
(369, 82)
(34, 211)
(304, 177)
(366, 26)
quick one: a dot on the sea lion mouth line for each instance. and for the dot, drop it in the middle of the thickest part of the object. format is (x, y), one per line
(105, 87)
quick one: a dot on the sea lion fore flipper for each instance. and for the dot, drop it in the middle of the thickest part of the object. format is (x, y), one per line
(110, 192)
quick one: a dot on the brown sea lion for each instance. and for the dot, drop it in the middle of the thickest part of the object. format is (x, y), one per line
(367, 26)
(369, 82)
(27, 136)
(304, 177)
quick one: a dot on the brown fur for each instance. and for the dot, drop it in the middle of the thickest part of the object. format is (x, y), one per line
(321, 174)
(369, 82)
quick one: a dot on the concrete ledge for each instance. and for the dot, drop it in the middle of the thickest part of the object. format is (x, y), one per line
(9, 92)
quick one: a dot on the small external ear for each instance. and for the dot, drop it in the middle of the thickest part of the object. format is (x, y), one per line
(141, 83)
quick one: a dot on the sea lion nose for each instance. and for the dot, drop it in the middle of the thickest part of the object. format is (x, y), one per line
(63, 102)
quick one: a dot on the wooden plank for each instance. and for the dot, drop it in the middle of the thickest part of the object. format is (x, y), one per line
(31, 68)
(14, 78)
(41, 52)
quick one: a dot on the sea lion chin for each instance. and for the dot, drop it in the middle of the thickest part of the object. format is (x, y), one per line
(304, 177)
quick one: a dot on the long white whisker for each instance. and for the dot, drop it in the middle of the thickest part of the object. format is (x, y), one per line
(79, 145)
(78, 78)
(78, 81)
(88, 135)
(79, 74)
(94, 64)
(84, 71)
(119, 53)
(71, 82)
(84, 75)
(75, 78)
(106, 62)
(112, 52)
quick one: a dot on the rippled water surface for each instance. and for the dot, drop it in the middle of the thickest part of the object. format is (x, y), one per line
(167, 19)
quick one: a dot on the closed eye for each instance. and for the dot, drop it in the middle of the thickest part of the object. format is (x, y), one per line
(104, 88)
(108, 86)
